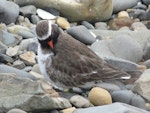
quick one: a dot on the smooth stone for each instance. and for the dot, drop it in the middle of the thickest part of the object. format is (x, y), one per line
(16, 28)
(63, 23)
(28, 10)
(140, 6)
(82, 34)
(3, 27)
(26, 94)
(3, 48)
(9, 39)
(99, 96)
(16, 111)
(76, 10)
(44, 14)
(123, 14)
(77, 90)
(19, 64)
(116, 107)
(19, 73)
(36, 69)
(141, 37)
(27, 68)
(147, 63)
(87, 25)
(146, 55)
(12, 51)
(146, 2)
(138, 26)
(79, 101)
(26, 34)
(35, 19)
(141, 86)
(68, 110)
(24, 45)
(52, 11)
(108, 86)
(9, 12)
(37, 75)
(120, 5)
(101, 25)
(5, 59)
(28, 58)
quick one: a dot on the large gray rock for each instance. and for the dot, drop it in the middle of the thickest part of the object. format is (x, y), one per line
(76, 10)
(9, 12)
(28, 95)
(112, 108)
(141, 86)
(120, 5)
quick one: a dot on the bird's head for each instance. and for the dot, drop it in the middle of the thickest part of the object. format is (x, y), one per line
(47, 33)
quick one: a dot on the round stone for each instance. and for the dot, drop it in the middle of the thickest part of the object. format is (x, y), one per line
(99, 96)
(123, 14)
(63, 23)
(16, 111)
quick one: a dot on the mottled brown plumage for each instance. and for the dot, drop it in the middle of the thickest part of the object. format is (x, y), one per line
(74, 64)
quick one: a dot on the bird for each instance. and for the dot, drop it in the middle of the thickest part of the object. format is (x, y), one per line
(66, 62)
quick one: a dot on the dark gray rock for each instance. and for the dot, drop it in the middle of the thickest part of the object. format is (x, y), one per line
(112, 108)
(19, 73)
(3, 48)
(26, 34)
(33, 47)
(9, 39)
(82, 34)
(52, 11)
(5, 59)
(9, 12)
(120, 5)
(28, 10)
(19, 64)
(87, 25)
(146, 2)
(140, 6)
(35, 19)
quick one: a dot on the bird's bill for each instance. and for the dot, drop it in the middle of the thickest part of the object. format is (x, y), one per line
(50, 43)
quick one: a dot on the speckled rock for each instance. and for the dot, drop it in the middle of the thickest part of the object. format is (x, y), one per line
(28, 58)
(79, 101)
(63, 23)
(99, 96)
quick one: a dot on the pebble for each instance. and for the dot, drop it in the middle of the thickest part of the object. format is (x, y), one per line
(138, 26)
(147, 2)
(35, 74)
(16, 111)
(28, 10)
(68, 110)
(36, 69)
(5, 59)
(26, 34)
(9, 12)
(87, 25)
(99, 96)
(27, 69)
(35, 19)
(79, 101)
(28, 58)
(147, 63)
(101, 26)
(19, 64)
(82, 34)
(12, 51)
(3, 48)
(63, 23)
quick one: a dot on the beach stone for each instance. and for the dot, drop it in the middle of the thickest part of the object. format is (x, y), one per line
(87, 25)
(141, 37)
(99, 96)
(36, 68)
(19, 64)
(146, 2)
(101, 25)
(82, 34)
(37, 75)
(79, 101)
(28, 10)
(147, 63)
(16, 28)
(5, 59)
(28, 95)
(138, 26)
(116, 107)
(9, 12)
(19, 73)
(12, 51)
(74, 12)
(108, 86)
(27, 68)
(123, 14)
(146, 55)
(3, 48)
(3, 27)
(28, 58)
(68, 110)
(24, 45)
(16, 111)
(141, 86)
(52, 11)
(63, 23)
(140, 6)
(9, 39)
(120, 5)
(33, 47)
(26, 34)
(35, 19)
